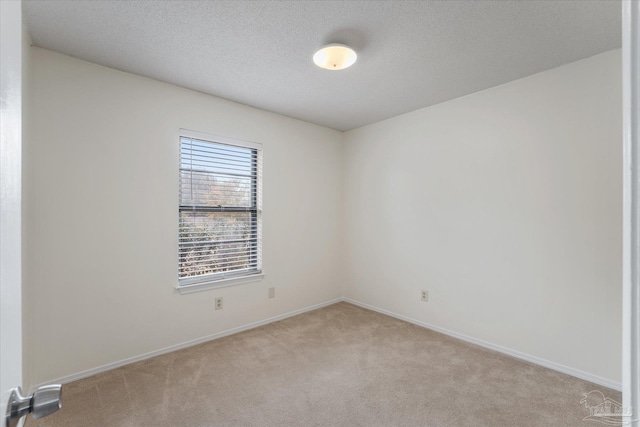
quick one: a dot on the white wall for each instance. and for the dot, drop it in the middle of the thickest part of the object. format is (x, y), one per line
(506, 206)
(101, 216)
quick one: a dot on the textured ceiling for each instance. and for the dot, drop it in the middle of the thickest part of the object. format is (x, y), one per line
(411, 53)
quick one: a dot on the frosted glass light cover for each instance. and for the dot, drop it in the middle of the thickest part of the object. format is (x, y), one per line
(335, 57)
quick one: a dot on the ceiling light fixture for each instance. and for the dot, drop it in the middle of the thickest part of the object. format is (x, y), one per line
(335, 57)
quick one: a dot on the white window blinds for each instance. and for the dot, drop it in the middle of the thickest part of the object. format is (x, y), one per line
(219, 213)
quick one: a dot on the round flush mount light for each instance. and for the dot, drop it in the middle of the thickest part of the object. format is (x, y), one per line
(335, 57)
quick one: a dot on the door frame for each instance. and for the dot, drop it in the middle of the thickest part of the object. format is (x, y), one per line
(631, 208)
(10, 199)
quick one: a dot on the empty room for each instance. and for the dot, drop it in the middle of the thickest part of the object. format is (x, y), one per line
(315, 213)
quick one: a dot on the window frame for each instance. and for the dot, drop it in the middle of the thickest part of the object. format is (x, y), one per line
(218, 280)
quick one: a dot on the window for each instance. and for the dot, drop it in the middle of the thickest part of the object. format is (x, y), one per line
(219, 212)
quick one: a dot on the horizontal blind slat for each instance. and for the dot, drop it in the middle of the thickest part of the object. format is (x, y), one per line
(235, 259)
(197, 149)
(208, 249)
(198, 257)
(219, 262)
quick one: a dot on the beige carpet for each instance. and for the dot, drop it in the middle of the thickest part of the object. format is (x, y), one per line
(337, 366)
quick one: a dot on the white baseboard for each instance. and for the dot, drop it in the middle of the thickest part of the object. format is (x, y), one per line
(93, 371)
(532, 359)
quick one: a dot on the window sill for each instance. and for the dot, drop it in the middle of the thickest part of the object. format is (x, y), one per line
(221, 283)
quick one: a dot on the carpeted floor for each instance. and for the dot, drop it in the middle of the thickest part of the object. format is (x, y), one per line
(337, 366)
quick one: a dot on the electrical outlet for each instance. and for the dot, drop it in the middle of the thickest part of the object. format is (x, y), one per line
(425, 296)
(218, 303)
(272, 292)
